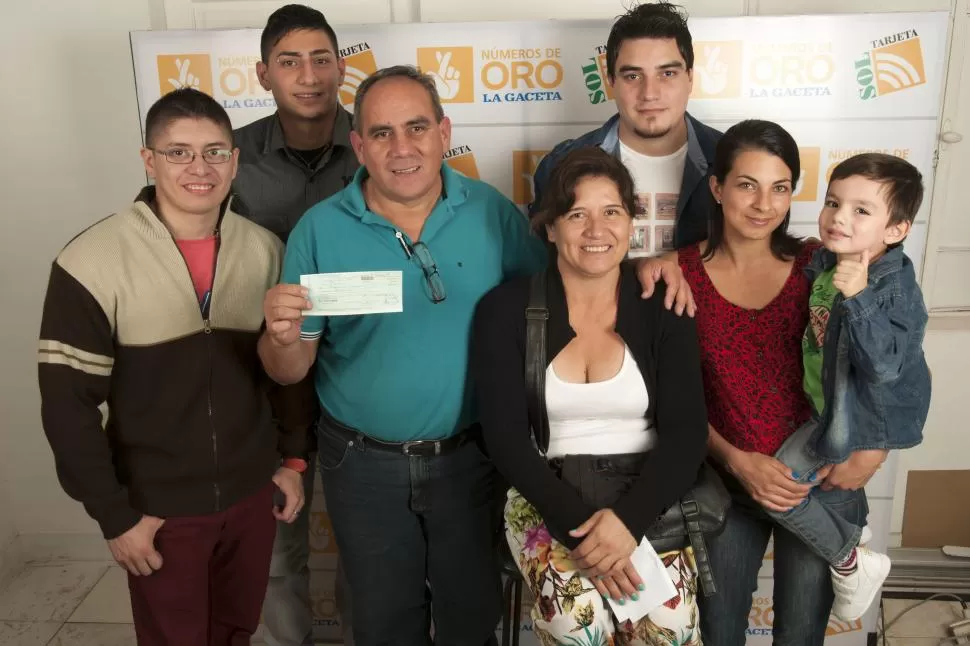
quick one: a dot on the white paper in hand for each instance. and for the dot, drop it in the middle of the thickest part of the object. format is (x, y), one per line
(658, 586)
(353, 292)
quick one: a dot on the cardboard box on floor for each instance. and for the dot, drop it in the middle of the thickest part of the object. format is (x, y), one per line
(937, 511)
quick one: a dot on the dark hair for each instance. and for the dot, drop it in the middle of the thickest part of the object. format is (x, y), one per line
(290, 18)
(902, 182)
(658, 20)
(186, 103)
(397, 71)
(577, 165)
(765, 136)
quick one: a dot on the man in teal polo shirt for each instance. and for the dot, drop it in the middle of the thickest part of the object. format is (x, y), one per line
(407, 487)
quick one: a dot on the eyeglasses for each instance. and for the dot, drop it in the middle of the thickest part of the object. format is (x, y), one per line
(420, 251)
(186, 156)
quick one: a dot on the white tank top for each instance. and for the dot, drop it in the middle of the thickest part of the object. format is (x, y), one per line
(601, 418)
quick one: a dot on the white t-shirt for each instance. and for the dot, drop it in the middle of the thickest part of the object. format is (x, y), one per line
(600, 418)
(657, 181)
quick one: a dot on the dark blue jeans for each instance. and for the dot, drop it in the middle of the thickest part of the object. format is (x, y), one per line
(409, 528)
(803, 585)
(824, 529)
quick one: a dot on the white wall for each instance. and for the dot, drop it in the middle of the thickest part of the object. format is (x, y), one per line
(7, 531)
(71, 136)
(71, 139)
(946, 443)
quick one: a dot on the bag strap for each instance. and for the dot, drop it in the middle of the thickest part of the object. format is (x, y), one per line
(536, 314)
(692, 520)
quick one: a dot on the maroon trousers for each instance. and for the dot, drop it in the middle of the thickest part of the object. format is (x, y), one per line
(210, 589)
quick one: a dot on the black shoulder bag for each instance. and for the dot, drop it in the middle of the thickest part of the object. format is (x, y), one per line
(602, 479)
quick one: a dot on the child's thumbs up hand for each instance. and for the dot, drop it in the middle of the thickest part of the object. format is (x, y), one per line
(852, 276)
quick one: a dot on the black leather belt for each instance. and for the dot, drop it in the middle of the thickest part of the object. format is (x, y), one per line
(422, 448)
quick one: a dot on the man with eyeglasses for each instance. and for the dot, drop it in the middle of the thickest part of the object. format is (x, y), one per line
(289, 161)
(153, 315)
(408, 489)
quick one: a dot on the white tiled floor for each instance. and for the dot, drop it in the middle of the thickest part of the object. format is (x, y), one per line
(108, 602)
(87, 604)
(68, 604)
(49, 592)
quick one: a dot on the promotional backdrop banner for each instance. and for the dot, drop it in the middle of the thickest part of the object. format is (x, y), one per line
(840, 84)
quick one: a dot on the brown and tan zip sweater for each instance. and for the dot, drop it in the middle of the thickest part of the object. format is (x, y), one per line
(189, 429)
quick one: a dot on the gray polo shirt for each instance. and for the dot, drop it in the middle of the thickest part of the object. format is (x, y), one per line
(274, 187)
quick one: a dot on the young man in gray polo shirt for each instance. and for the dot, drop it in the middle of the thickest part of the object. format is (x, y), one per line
(289, 161)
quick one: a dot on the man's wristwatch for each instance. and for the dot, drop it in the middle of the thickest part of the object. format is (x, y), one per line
(296, 464)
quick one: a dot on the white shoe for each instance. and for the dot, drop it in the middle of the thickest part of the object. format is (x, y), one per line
(866, 535)
(855, 592)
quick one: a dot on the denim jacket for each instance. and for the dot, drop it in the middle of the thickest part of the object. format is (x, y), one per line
(875, 379)
(695, 202)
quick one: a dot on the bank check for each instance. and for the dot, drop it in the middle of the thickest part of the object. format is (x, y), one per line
(353, 292)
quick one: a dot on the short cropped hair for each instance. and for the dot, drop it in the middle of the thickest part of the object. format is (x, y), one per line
(397, 71)
(658, 20)
(185, 103)
(290, 18)
(902, 182)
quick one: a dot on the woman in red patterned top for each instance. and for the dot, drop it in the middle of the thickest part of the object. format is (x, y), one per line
(752, 309)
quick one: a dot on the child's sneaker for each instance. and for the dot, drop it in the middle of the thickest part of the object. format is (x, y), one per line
(855, 591)
(866, 535)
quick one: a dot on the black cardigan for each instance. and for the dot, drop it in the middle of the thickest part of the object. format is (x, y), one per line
(666, 351)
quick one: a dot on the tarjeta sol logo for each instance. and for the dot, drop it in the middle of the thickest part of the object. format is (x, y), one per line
(894, 63)
(595, 77)
(360, 62)
(461, 159)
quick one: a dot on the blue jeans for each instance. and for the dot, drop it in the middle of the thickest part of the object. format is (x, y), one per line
(803, 585)
(410, 527)
(821, 527)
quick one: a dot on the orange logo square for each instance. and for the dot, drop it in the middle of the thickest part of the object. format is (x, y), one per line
(322, 540)
(899, 66)
(839, 627)
(464, 164)
(524, 164)
(717, 70)
(453, 71)
(601, 62)
(359, 67)
(176, 71)
(807, 190)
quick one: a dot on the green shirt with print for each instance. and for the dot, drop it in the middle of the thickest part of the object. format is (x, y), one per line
(819, 307)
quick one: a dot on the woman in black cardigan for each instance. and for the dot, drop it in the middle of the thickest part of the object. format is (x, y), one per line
(623, 381)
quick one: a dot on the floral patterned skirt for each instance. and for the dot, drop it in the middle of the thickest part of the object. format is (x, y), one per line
(570, 612)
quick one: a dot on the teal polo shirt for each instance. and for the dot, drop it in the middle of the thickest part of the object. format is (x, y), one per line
(404, 376)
